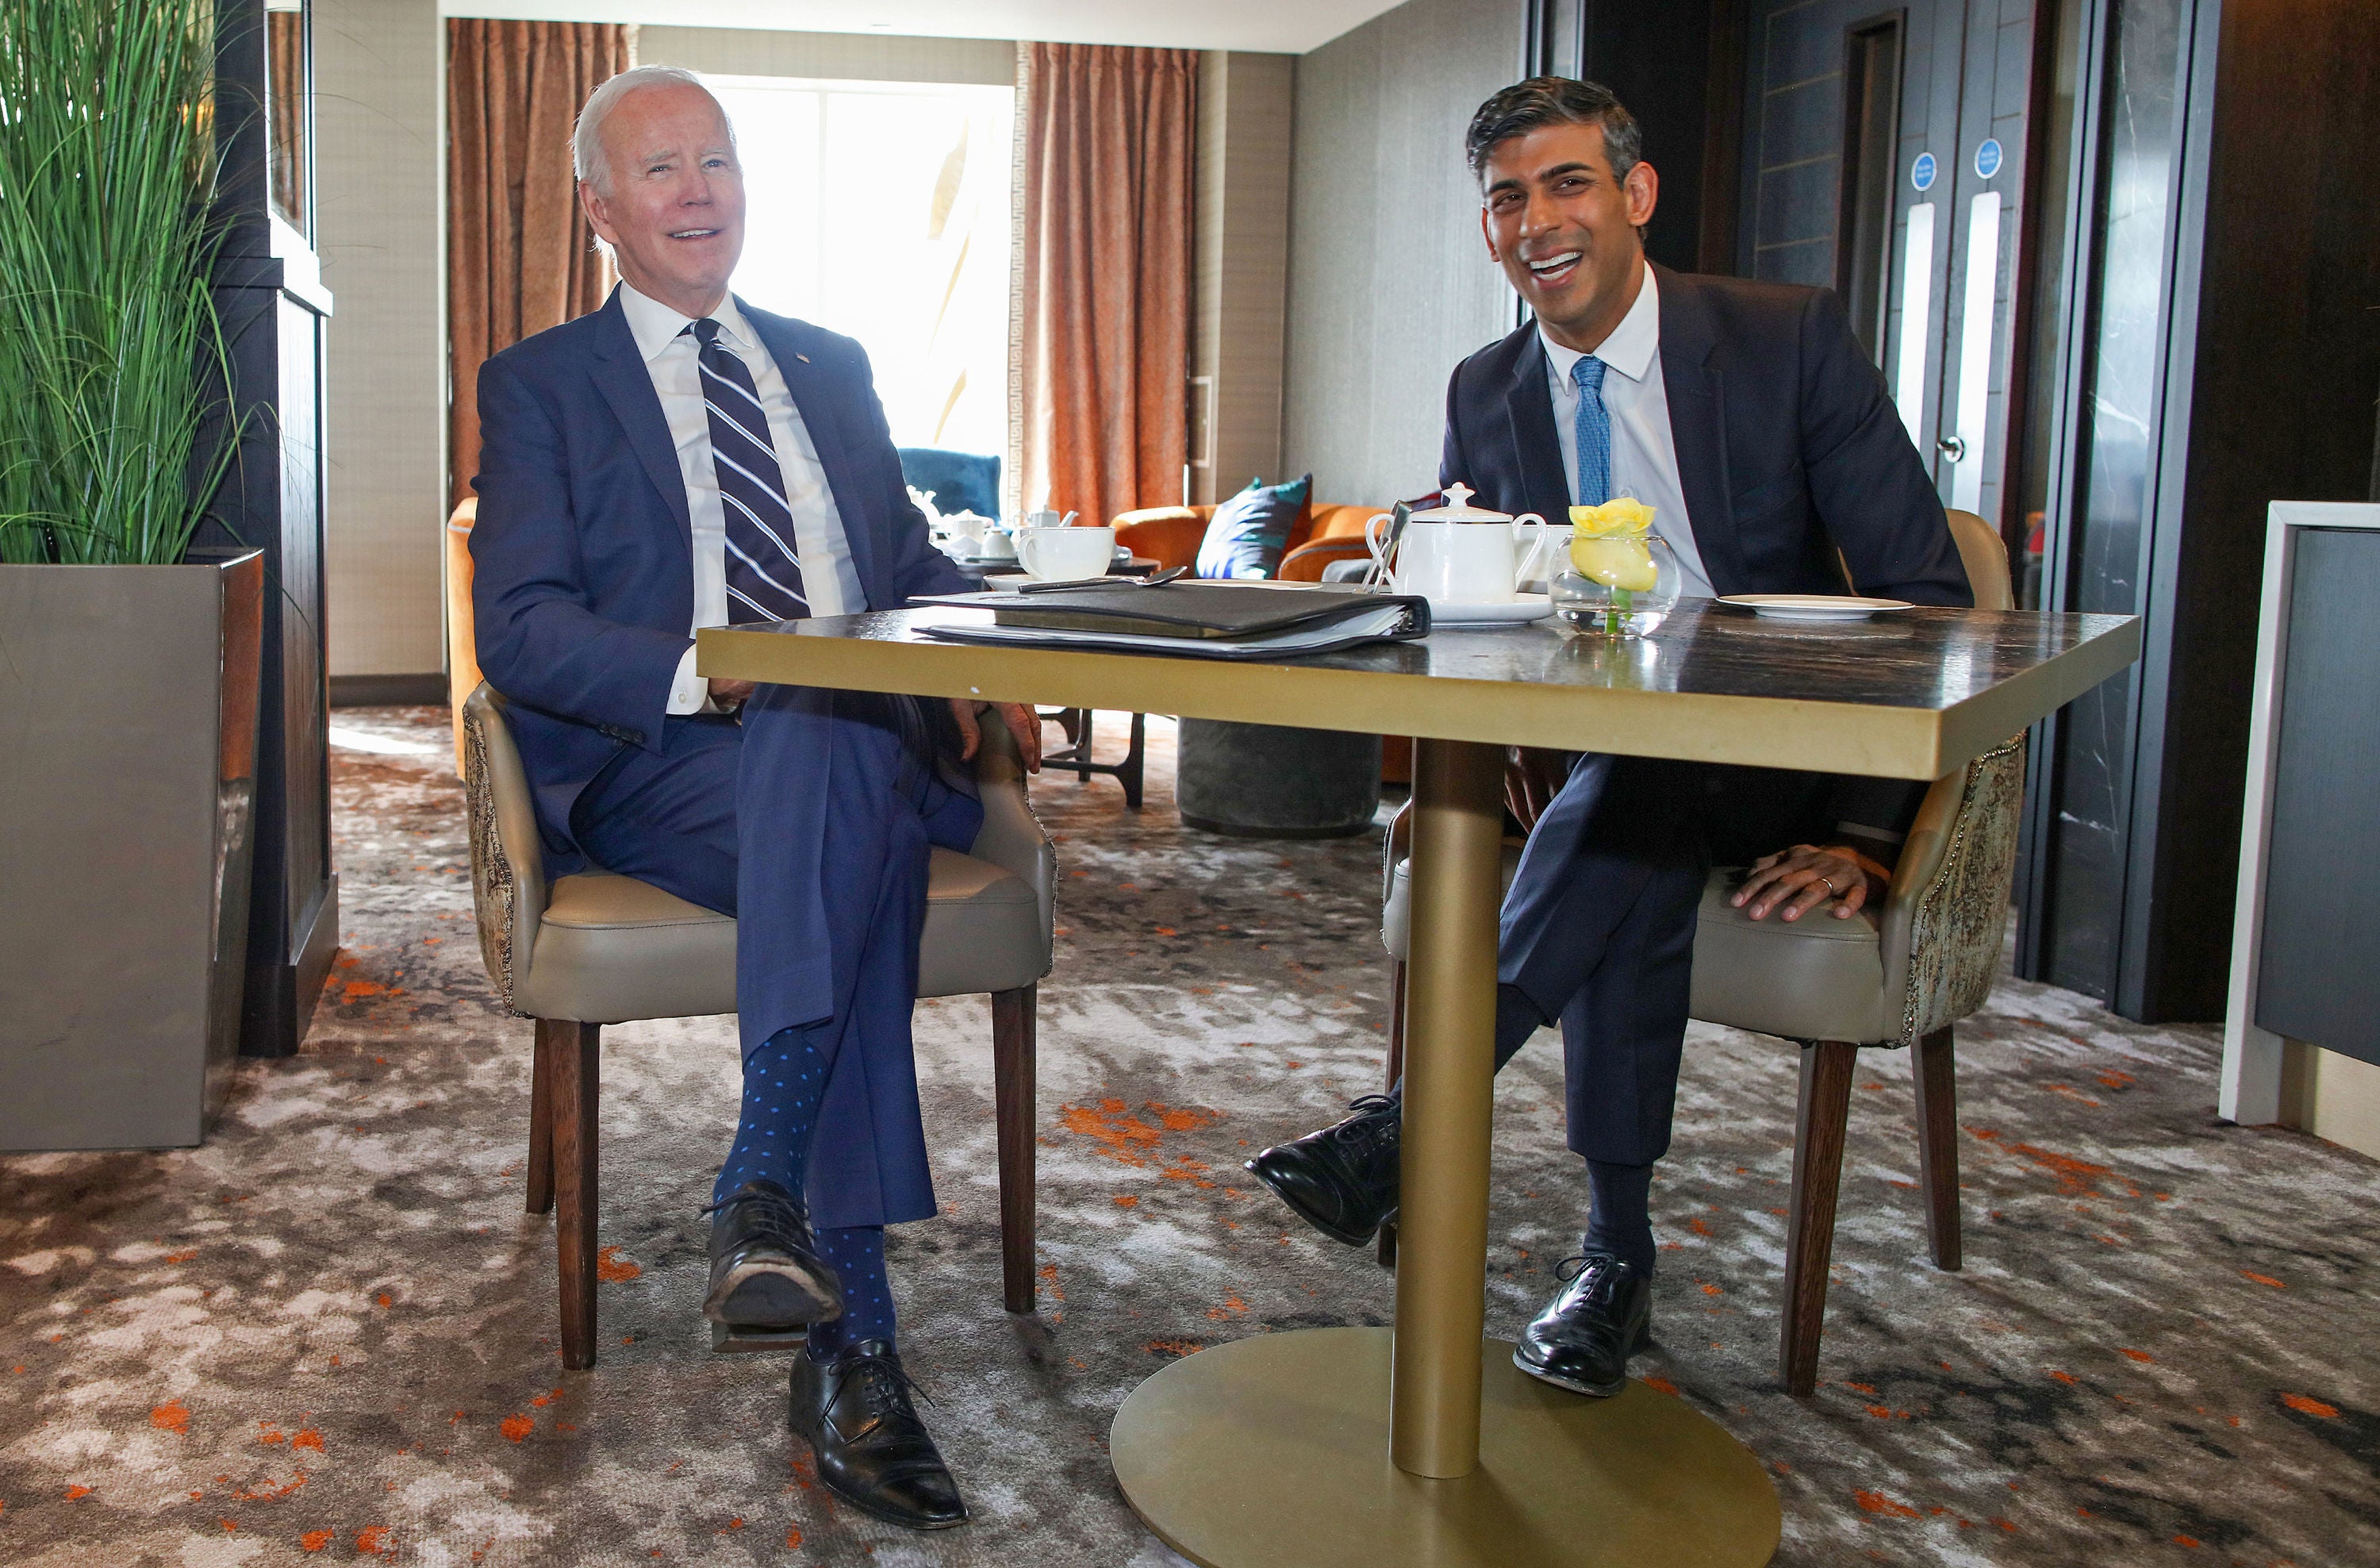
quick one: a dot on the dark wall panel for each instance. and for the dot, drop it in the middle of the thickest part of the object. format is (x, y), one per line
(2316, 981)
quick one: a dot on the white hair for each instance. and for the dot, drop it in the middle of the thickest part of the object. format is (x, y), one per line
(588, 159)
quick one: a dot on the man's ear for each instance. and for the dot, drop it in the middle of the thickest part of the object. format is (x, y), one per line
(1642, 188)
(599, 217)
(1489, 236)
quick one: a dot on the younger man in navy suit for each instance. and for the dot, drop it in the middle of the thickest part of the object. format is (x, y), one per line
(676, 460)
(1747, 417)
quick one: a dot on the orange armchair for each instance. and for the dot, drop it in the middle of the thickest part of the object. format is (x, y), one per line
(1324, 532)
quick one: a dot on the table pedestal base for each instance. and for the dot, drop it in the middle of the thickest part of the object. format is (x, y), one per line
(1275, 1449)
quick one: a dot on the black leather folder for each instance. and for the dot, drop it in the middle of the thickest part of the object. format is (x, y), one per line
(1203, 619)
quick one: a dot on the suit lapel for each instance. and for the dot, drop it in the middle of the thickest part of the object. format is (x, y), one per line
(1537, 447)
(817, 399)
(638, 408)
(1695, 386)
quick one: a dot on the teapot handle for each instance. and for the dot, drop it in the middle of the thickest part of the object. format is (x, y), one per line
(1376, 535)
(1541, 531)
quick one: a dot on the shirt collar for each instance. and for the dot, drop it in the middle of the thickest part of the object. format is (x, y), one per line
(1630, 346)
(655, 325)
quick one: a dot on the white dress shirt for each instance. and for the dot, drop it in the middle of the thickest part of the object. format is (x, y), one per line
(672, 358)
(1643, 452)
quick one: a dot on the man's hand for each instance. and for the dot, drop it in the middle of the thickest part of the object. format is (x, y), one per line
(1021, 722)
(726, 693)
(1805, 876)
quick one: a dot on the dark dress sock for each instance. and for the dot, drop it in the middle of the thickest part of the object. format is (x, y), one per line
(857, 1254)
(784, 1083)
(1621, 1221)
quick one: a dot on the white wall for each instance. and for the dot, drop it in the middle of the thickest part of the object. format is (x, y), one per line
(1390, 283)
(380, 227)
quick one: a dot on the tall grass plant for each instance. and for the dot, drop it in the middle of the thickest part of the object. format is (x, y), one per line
(112, 361)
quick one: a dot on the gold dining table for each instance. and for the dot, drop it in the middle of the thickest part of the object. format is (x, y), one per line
(1422, 1444)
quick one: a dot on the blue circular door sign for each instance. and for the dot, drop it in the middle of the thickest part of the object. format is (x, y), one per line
(1921, 174)
(1987, 158)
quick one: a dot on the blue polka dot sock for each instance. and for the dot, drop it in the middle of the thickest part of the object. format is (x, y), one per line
(857, 1254)
(784, 1083)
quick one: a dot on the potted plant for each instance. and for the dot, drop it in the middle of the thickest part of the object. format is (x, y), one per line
(128, 669)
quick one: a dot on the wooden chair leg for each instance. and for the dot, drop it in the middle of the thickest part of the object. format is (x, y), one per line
(576, 1087)
(1128, 772)
(1396, 1069)
(1933, 1065)
(540, 1126)
(1826, 1101)
(1082, 748)
(1012, 1018)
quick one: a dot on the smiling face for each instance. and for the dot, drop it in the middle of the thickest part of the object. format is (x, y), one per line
(672, 202)
(1565, 231)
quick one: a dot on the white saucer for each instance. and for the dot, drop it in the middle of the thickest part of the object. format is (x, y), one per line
(1814, 606)
(1521, 607)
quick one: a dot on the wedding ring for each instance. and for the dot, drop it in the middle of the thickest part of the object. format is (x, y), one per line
(1830, 888)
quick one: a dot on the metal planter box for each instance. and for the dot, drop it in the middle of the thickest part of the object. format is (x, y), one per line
(127, 783)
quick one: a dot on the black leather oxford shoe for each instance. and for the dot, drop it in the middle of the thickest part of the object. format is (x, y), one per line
(766, 1275)
(1582, 1340)
(872, 1450)
(1342, 1180)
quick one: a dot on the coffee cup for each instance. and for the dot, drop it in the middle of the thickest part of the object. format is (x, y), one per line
(1062, 555)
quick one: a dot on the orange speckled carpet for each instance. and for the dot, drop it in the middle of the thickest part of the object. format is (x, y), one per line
(326, 1335)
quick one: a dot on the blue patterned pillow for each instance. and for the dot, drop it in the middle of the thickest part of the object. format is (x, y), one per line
(1250, 532)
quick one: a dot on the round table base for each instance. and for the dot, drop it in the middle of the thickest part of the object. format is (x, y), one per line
(1275, 1449)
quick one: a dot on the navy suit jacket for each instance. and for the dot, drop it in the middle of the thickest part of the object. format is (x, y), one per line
(1789, 449)
(583, 553)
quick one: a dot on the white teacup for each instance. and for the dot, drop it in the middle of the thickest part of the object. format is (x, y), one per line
(1056, 554)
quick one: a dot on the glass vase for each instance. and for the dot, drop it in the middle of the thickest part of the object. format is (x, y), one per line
(1610, 596)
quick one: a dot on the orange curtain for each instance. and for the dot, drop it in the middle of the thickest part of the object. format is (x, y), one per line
(1105, 141)
(519, 255)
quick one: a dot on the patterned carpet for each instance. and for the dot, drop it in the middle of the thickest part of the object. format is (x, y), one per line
(326, 1335)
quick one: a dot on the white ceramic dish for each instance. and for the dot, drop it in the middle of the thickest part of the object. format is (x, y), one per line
(1521, 607)
(1814, 606)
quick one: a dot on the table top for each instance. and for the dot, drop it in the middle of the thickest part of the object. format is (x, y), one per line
(1912, 695)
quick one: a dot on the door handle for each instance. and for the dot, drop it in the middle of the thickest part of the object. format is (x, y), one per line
(1953, 447)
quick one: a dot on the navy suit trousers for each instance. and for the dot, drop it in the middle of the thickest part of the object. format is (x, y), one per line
(693, 818)
(1598, 928)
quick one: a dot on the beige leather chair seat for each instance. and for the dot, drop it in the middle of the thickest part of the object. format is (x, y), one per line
(614, 948)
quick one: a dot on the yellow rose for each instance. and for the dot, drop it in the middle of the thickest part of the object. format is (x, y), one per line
(1623, 517)
(1624, 563)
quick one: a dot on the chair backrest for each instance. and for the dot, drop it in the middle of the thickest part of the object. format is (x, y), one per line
(1985, 554)
(462, 646)
(508, 891)
(1942, 922)
(959, 482)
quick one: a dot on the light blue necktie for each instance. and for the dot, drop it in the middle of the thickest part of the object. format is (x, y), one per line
(1594, 433)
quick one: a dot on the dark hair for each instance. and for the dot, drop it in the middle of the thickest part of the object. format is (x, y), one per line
(1555, 101)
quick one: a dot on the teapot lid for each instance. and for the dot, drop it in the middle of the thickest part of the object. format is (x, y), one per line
(1458, 509)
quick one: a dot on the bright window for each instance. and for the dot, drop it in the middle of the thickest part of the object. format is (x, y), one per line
(879, 210)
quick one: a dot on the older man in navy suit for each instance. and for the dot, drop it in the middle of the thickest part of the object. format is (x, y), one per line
(1748, 418)
(678, 459)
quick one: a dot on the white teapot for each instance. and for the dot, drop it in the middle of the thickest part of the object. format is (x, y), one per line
(1459, 553)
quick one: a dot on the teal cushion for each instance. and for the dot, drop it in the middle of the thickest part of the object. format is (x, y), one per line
(1250, 532)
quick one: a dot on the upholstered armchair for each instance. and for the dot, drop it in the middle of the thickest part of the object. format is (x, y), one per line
(583, 951)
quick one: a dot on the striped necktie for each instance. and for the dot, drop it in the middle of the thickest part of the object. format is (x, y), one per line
(1594, 428)
(764, 572)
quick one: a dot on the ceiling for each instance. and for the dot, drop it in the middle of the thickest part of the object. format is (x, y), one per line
(1284, 27)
